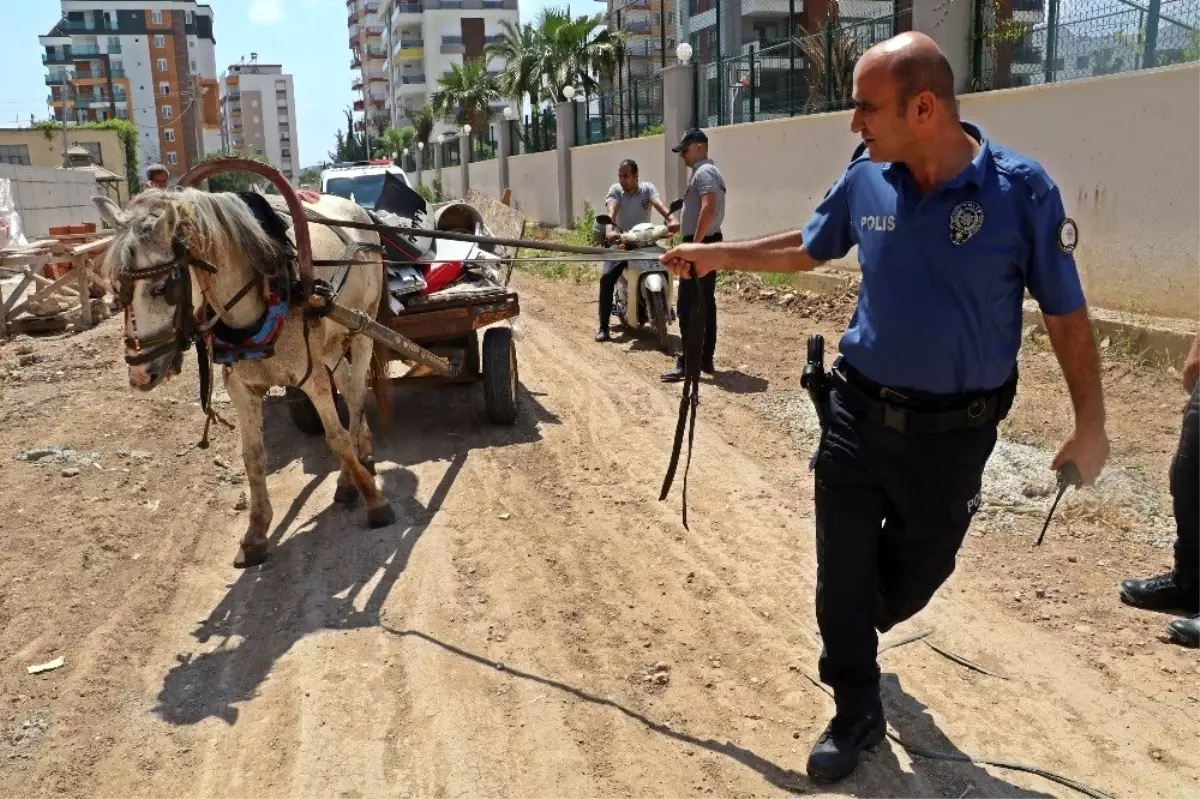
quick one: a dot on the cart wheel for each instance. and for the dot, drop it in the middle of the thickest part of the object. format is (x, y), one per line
(500, 375)
(305, 416)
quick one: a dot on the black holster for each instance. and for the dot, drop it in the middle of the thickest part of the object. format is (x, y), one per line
(815, 380)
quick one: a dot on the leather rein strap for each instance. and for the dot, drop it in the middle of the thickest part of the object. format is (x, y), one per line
(693, 352)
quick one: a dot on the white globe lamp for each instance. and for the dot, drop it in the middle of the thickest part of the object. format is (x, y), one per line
(683, 52)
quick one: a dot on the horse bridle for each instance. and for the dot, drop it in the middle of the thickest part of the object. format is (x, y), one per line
(178, 293)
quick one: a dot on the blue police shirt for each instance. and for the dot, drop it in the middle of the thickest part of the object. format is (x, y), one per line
(943, 275)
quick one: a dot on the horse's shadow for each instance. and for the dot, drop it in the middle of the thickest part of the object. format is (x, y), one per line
(317, 575)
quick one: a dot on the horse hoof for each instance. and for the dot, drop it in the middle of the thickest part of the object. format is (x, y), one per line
(249, 557)
(369, 465)
(345, 495)
(381, 516)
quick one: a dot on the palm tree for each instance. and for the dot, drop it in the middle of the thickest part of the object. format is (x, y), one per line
(394, 140)
(423, 120)
(577, 49)
(467, 94)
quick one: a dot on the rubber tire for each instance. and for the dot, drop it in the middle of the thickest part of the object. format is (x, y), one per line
(658, 314)
(305, 416)
(500, 375)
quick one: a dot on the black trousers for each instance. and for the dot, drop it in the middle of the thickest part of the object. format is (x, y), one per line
(608, 284)
(706, 287)
(1185, 491)
(892, 510)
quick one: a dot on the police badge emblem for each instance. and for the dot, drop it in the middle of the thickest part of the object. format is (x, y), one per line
(1068, 235)
(965, 221)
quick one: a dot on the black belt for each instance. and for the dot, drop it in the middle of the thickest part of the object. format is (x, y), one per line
(910, 417)
(709, 239)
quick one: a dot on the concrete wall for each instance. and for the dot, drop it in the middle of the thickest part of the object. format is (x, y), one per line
(451, 181)
(485, 177)
(534, 185)
(45, 197)
(1124, 150)
(594, 168)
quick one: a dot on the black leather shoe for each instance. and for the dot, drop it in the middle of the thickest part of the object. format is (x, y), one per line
(1185, 632)
(602, 335)
(709, 369)
(1162, 592)
(675, 375)
(835, 755)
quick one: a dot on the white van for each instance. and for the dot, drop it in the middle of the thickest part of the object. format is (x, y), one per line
(360, 181)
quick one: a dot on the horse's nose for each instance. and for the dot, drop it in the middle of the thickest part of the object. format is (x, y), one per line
(141, 376)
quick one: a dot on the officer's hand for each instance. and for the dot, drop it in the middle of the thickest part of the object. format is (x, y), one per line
(1192, 372)
(680, 260)
(672, 224)
(1088, 448)
(612, 234)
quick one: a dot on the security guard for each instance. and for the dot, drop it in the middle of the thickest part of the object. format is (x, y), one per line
(629, 202)
(1179, 589)
(950, 228)
(703, 213)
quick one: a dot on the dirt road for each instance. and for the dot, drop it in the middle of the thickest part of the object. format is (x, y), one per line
(537, 623)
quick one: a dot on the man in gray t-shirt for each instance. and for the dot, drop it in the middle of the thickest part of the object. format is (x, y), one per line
(629, 202)
(703, 214)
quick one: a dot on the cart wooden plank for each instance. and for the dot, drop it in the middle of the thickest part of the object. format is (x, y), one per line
(454, 320)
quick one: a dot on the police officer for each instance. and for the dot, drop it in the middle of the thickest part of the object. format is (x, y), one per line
(703, 213)
(629, 202)
(951, 228)
(1179, 589)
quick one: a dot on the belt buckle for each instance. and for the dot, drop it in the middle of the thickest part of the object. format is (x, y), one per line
(895, 418)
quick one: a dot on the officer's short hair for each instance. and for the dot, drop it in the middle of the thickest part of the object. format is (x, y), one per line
(917, 72)
(153, 169)
(628, 162)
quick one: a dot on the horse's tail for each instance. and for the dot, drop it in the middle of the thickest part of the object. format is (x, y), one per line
(381, 385)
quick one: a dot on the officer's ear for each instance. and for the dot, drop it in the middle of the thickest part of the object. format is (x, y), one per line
(922, 107)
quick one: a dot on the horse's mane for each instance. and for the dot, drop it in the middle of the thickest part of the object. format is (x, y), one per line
(216, 226)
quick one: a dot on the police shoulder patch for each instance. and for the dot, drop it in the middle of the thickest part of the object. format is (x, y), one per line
(1068, 235)
(965, 221)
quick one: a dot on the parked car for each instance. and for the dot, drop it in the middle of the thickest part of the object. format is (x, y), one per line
(360, 181)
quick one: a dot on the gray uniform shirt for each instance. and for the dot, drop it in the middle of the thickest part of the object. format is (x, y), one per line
(632, 209)
(706, 179)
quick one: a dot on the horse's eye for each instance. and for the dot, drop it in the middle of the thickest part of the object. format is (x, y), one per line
(158, 288)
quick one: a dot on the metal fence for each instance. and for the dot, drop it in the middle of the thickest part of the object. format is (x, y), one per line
(1043, 41)
(621, 112)
(537, 134)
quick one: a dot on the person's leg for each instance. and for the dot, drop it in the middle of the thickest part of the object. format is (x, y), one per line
(684, 304)
(1178, 589)
(608, 284)
(850, 507)
(933, 484)
(708, 285)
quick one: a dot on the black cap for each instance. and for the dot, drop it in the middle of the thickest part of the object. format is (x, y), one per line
(692, 136)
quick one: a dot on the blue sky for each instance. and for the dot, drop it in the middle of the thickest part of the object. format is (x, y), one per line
(307, 36)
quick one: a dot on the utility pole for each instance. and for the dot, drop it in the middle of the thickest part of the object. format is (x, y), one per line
(68, 91)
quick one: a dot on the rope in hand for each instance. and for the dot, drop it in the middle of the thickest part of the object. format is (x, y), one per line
(693, 352)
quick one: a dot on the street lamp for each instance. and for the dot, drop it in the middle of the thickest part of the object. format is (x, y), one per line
(466, 130)
(508, 113)
(441, 139)
(420, 145)
(683, 52)
(568, 92)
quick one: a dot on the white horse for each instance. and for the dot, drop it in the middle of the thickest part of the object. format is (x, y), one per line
(179, 258)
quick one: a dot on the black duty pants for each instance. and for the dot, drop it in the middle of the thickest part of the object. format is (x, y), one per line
(892, 510)
(608, 284)
(1185, 491)
(707, 288)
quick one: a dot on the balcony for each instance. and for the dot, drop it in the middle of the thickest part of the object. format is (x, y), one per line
(356, 85)
(352, 17)
(376, 52)
(408, 8)
(374, 30)
(372, 6)
(453, 45)
(413, 80)
(57, 57)
(356, 62)
(359, 105)
(1025, 54)
(410, 50)
(88, 27)
(114, 49)
(56, 79)
(84, 51)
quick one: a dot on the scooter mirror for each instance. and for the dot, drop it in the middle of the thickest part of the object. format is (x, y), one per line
(675, 205)
(604, 219)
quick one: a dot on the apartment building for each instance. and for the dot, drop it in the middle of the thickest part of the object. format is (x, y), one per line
(652, 26)
(152, 62)
(402, 47)
(258, 113)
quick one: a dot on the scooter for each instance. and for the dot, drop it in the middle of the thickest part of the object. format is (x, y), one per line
(652, 300)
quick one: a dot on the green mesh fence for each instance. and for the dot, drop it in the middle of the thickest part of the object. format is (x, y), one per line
(625, 111)
(1044, 41)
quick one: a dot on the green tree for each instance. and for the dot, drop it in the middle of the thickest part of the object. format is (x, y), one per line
(234, 181)
(126, 133)
(467, 94)
(394, 140)
(523, 50)
(576, 50)
(423, 120)
(312, 177)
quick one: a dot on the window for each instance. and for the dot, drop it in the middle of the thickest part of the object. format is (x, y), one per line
(193, 65)
(14, 154)
(170, 134)
(172, 158)
(160, 41)
(164, 89)
(93, 148)
(156, 17)
(162, 65)
(254, 104)
(168, 112)
(188, 18)
(257, 119)
(114, 44)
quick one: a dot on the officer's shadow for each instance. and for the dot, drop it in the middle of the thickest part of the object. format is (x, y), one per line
(880, 774)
